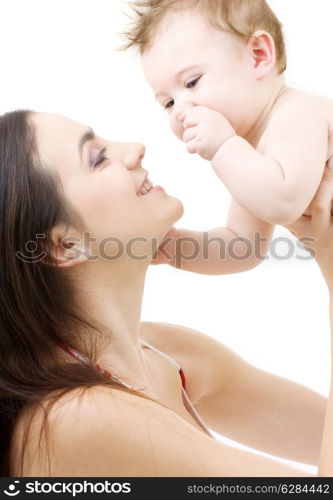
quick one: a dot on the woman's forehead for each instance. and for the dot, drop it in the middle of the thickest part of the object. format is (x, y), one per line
(58, 139)
(59, 125)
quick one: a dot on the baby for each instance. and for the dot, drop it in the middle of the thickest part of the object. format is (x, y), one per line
(217, 67)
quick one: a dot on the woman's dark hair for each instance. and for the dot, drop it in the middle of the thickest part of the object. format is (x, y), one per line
(37, 308)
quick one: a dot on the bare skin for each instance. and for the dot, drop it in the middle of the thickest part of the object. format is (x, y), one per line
(266, 142)
(111, 433)
(231, 398)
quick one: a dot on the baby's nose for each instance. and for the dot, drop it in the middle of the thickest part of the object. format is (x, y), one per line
(182, 113)
(133, 154)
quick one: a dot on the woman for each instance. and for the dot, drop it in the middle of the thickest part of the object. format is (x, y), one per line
(88, 390)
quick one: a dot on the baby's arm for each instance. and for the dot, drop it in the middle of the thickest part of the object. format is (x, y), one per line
(219, 250)
(278, 185)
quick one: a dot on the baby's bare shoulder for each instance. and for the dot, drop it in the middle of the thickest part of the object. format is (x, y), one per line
(296, 110)
(295, 102)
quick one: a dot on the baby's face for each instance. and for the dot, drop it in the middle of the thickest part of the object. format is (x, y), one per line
(191, 64)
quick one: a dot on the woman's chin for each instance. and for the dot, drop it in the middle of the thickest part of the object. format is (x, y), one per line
(176, 209)
(168, 211)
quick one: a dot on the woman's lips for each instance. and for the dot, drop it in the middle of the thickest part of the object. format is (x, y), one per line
(148, 188)
(156, 189)
(145, 187)
(142, 190)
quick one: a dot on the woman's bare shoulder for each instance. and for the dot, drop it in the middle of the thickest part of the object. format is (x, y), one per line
(76, 421)
(209, 365)
(176, 339)
(103, 433)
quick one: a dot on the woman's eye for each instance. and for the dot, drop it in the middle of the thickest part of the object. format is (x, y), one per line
(169, 104)
(192, 83)
(101, 157)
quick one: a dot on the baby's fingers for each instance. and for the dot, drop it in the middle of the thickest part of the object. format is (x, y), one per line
(192, 117)
(189, 134)
(191, 147)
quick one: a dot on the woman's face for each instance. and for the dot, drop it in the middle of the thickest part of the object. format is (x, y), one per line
(103, 181)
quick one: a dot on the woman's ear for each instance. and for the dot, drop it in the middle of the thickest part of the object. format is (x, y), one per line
(262, 51)
(66, 247)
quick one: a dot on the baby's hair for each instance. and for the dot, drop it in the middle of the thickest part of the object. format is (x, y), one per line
(239, 17)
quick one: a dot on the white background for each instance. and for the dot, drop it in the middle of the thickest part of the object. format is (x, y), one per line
(61, 56)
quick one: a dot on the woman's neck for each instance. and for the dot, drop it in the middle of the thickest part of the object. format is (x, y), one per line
(112, 297)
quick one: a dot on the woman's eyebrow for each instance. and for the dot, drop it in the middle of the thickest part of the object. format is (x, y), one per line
(89, 135)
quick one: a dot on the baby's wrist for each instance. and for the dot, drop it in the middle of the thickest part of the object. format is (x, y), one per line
(225, 145)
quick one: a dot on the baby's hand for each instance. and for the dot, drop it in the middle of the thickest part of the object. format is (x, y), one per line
(205, 131)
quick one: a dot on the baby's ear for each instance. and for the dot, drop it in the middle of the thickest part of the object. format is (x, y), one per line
(261, 48)
(66, 247)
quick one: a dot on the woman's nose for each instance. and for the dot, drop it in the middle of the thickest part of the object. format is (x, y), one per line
(133, 154)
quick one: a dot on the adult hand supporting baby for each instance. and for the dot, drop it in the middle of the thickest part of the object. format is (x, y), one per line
(316, 230)
(205, 131)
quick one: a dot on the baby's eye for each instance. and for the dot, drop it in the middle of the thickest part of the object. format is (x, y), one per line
(169, 104)
(192, 83)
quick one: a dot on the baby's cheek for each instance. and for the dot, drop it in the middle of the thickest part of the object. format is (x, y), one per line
(176, 127)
